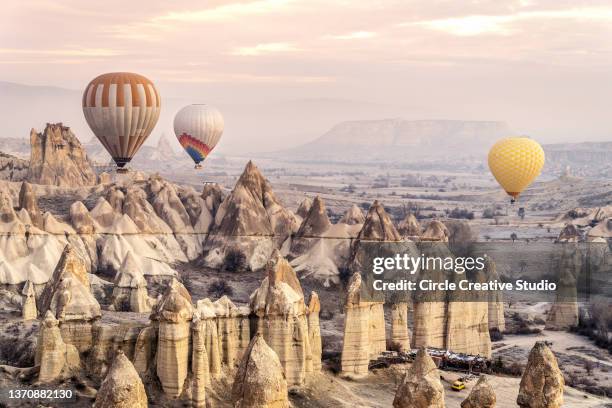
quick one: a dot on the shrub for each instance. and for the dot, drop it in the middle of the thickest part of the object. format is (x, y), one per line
(461, 213)
(219, 288)
(496, 335)
(235, 260)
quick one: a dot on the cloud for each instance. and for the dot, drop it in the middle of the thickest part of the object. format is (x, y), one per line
(356, 35)
(502, 24)
(76, 52)
(227, 11)
(262, 49)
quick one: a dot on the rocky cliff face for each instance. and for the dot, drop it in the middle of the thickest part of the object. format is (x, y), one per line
(56, 358)
(250, 223)
(13, 168)
(57, 158)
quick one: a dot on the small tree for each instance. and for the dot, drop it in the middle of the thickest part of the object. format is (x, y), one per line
(235, 260)
(219, 288)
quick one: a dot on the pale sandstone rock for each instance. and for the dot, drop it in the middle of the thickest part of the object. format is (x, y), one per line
(251, 221)
(378, 226)
(28, 201)
(28, 310)
(281, 318)
(68, 296)
(174, 313)
(356, 345)
(314, 331)
(314, 225)
(212, 342)
(108, 338)
(304, 207)
(199, 363)
(409, 227)
(421, 387)
(122, 387)
(259, 381)
(542, 383)
(467, 328)
(144, 350)
(569, 233)
(353, 216)
(105, 178)
(213, 196)
(57, 158)
(563, 313)
(130, 291)
(481, 396)
(55, 358)
(435, 231)
(228, 329)
(497, 321)
(400, 336)
(115, 198)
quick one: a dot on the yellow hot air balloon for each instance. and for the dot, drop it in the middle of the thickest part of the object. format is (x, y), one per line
(121, 109)
(516, 162)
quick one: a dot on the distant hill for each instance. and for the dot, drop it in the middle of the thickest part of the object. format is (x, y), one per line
(580, 159)
(398, 139)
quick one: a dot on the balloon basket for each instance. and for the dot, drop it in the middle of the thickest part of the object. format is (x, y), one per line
(198, 166)
(122, 171)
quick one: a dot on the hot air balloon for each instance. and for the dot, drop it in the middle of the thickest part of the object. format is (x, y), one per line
(516, 162)
(121, 109)
(198, 129)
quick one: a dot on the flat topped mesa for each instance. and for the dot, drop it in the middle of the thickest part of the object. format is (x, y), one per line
(435, 231)
(259, 381)
(353, 216)
(421, 387)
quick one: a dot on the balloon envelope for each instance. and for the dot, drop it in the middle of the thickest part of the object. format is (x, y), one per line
(198, 129)
(515, 163)
(121, 109)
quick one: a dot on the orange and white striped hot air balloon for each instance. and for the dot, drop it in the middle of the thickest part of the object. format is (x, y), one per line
(121, 109)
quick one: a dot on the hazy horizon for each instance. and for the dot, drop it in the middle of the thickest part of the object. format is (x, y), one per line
(284, 71)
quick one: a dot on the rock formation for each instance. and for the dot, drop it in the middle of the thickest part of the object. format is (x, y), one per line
(409, 227)
(173, 312)
(130, 291)
(259, 381)
(353, 216)
(249, 224)
(497, 321)
(279, 306)
(13, 168)
(304, 207)
(421, 387)
(68, 297)
(207, 320)
(569, 233)
(435, 231)
(481, 396)
(563, 313)
(314, 331)
(400, 337)
(28, 310)
(57, 158)
(122, 387)
(28, 201)
(314, 226)
(542, 383)
(378, 226)
(55, 358)
(199, 363)
(232, 328)
(364, 331)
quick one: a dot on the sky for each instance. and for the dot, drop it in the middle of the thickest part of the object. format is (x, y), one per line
(545, 67)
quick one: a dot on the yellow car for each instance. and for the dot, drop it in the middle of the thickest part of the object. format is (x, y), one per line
(458, 385)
